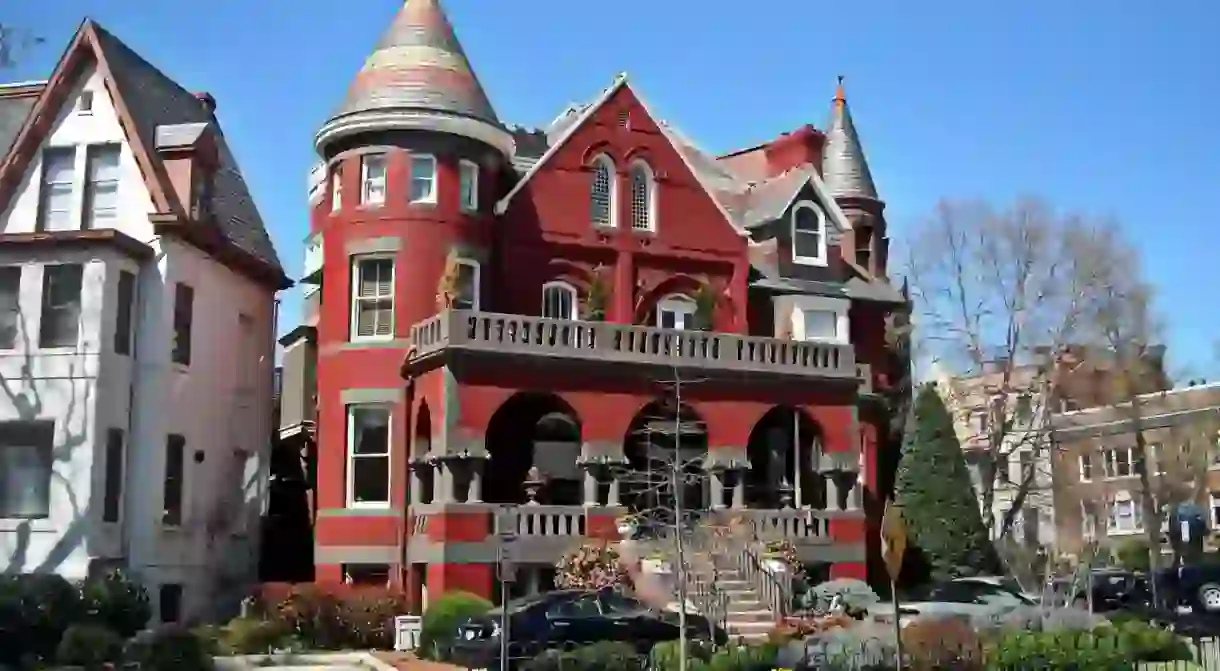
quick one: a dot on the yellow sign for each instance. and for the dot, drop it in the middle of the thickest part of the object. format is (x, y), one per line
(893, 539)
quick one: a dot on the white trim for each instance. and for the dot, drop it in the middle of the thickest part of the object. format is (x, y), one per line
(467, 168)
(572, 293)
(839, 306)
(430, 197)
(598, 162)
(821, 258)
(355, 298)
(619, 82)
(678, 304)
(1106, 463)
(349, 456)
(336, 187)
(1213, 501)
(650, 184)
(1080, 461)
(478, 282)
(827, 200)
(439, 122)
(367, 182)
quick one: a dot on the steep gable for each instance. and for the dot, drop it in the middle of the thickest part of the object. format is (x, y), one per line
(144, 100)
(620, 125)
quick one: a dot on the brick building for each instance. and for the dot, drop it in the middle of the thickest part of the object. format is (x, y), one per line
(491, 307)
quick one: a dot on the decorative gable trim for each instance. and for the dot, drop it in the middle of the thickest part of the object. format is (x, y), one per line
(40, 120)
(619, 82)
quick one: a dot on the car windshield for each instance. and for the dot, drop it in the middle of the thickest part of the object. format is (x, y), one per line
(520, 604)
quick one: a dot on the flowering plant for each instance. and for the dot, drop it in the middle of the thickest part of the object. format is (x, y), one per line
(592, 566)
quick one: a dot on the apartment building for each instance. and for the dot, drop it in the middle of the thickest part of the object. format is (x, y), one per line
(137, 321)
(1097, 480)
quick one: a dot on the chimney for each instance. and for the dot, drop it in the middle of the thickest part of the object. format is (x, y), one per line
(208, 102)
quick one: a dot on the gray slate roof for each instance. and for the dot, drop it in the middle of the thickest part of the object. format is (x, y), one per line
(13, 112)
(844, 168)
(154, 100)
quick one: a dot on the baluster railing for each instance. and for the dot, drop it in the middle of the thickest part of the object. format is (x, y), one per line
(775, 589)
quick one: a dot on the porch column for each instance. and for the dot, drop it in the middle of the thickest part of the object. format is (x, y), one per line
(716, 476)
(612, 498)
(854, 493)
(831, 478)
(590, 485)
(416, 467)
(444, 480)
(475, 493)
(739, 489)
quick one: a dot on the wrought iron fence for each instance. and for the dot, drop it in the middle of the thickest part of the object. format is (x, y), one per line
(1081, 651)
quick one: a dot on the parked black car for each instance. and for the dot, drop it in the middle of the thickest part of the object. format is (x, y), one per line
(1113, 589)
(568, 618)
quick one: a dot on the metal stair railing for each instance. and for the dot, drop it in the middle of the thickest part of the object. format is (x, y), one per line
(774, 588)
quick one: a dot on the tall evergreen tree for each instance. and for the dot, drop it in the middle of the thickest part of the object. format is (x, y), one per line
(939, 502)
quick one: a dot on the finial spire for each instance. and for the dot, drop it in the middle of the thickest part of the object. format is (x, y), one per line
(844, 168)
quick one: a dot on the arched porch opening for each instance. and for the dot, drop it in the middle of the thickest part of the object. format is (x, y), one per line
(664, 436)
(783, 449)
(421, 445)
(533, 430)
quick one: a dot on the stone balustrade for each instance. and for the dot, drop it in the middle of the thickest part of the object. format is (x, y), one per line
(505, 334)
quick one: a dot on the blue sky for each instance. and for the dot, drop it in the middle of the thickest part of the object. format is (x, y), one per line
(1103, 107)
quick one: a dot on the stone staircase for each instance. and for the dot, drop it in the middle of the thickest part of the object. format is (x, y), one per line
(746, 616)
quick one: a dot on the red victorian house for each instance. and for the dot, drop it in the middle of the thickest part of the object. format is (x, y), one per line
(493, 314)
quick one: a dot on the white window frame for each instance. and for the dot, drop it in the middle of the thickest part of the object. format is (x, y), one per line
(680, 305)
(430, 197)
(1213, 501)
(73, 213)
(600, 161)
(92, 185)
(356, 298)
(650, 184)
(468, 174)
(566, 288)
(478, 284)
(821, 258)
(350, 456)
(838, 306)
(336, 188)
(1110, 462)
(1137, 524)
(367, 183)
(1081, 460)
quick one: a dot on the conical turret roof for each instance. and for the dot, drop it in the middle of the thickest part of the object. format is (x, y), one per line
(844, 168)
(418, 76)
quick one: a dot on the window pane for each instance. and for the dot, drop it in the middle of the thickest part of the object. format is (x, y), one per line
(370, 479)
(59, 164)
(112, 493)
(372, 189)
(10, 291)
(61, 287)
(600, 194)
(470, 186)
(423, 178)
(25, 468)
(821, 324)
(376, 278)
(101, 185)
(374, 317)
(175, 461)
(122, 323)
(807, 233)
(184, 306)
(557, 302)
(641, 211)
(371, 430)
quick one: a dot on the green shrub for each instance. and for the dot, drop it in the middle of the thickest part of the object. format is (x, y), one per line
(90, 646)
(1147, 643)
(855, 596)
(252, 636)
(170, 648)
(664, 656)
(604, 656)
(744, 658)
(35, 611)
(442, 618)
(114, 601)
(1063, 651)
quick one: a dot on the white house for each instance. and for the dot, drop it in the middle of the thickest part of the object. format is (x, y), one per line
(137, 320)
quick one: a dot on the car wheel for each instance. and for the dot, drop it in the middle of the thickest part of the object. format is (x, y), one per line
(1209, 597)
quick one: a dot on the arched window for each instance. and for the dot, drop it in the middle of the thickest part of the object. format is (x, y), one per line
(808, 234)
(643, 198)
(601, 192)
(676, 312)
(559, 301)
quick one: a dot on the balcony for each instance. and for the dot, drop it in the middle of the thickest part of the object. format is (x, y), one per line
(544, 533)
(466, 331)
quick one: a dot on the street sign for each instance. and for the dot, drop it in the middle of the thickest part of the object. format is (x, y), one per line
(893, 539)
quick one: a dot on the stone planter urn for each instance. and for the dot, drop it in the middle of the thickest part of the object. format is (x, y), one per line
(775, 564)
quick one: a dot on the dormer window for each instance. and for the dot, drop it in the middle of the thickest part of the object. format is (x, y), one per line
(643, 198)
(601, 192)
(808, 235)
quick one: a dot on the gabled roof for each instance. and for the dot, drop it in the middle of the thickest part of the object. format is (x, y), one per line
(145, 100)
(567, 124)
